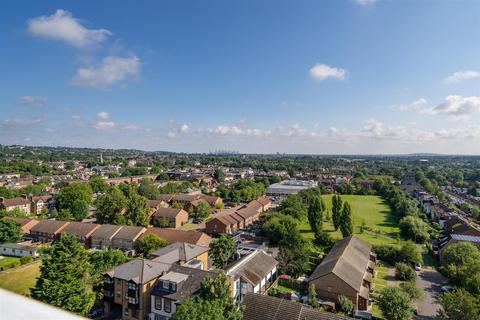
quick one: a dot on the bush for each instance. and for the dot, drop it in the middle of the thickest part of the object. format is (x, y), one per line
(25, 259)
(345, 305)
(404, 272)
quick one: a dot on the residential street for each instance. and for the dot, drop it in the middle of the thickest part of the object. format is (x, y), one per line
(429, 281)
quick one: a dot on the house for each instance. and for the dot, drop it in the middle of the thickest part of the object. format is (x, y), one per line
(455, 238)
(102, 237)
(20, 203)
(172, 236)
(127, 238)
(172, 288)
(82, 231)
(346, 270)
(21, 249)
(127, 287)
(254, 273)
(169, 217)
(25, 223)
(154, 205)
(40, 202)
(191, 200)
(47, 230)
(262, 307)
(183, 253)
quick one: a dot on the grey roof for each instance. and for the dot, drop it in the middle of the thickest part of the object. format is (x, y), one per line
(263, 307)
(79, 228)
(139, 271)
(49, 226)
(129, 232)
(461, 237)
(254, 267)
(106, 231)
(178, 251)
(186, 288)
(348, 260)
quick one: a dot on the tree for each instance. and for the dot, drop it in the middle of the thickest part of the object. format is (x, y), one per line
(279, 227)
(312, 296)
(148, 189)
(136, 211)
(294, 260)
(98, 184)
(10, 231)
(218, 175)
(409, 253)
(395, 304)
(411, 289)
(345, 305)
(72, 192)
(460, 262)
(222, 249)
(315, 214)
(63, 277)
(404, 272)
(460, 305)
(336, 211)
(202, 210)
(151, 243)
(414, 228)
(79, 210)
(346, 224)
(65, 215)
(102, 260)
(164, 222)
(110, 205)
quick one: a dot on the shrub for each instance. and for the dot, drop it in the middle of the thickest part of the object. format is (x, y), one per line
(404, 272)
(345, 305)
(25, 259)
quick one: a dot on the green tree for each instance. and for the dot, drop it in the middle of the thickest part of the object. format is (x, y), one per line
(63, 277)
(409, 253)
(404, 272)
(79, 210)
(65, 215)
(218, 175)
(411, 289)
(221, 250)
(102, 260)
(414, 228)
(460, 305)
(395, 304)
(10, 231)
(151, 243)
(337, 208)
(460, 262)
(98, 184)
(136, 212)
(315, 214)
(110, 205)
(202, 210)
(72, 192)
(346, 224)
(345, 305)
(148, 189)
(312, 296)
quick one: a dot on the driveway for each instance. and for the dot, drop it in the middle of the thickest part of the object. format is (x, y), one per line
(429, 282)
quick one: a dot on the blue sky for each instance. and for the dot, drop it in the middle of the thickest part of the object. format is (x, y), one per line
(253, 76)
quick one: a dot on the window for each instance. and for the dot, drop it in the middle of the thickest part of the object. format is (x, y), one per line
(158, 303)
(125, 312)
(167, 305)
(165, 284)
(119, 282)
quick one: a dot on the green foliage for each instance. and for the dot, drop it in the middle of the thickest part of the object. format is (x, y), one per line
(151, 243)
(72, 192)
(407, 253)
(414, 228)
(221, 250)
(25, 259)
(218, 175)
(242, 191)
(279, 227)
(134, 171)
(460, 305)
(461, 264)
(98, 184)
(345, 305)
(110, 205)
(315, 214)
(404, 272)
(411, 289)
(395, 304)
(346, 224)
(65, 215)
(102, 260)
(201, 211)
(312, 296)
(337, 207)
(10, 231)
(63, 276)
(148, 189)
(136, 211)
(80, 210)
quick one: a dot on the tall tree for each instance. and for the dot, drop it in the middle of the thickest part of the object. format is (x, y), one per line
(315, 214)
(102, 260)
(395, 304)
(218, 175)
(136, 212)
(336, 211)
(110, 205)
(98, 184)
(346, 224)
(222, 249)
(460, 305)
(9, 231)
(79, 210)
(148, 189)
(72, 192)
(63, 277)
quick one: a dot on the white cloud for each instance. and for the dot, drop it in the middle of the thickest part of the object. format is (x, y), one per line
(103, 115)
(130, 127)
(23, 122)
(415, 105)
(322, 71)
(184, 128)
(63, 26)
(471, 132)
(365, 2)
(32, 101)
(104, 125)
(456, 106)
(111, 70)
(462, 76)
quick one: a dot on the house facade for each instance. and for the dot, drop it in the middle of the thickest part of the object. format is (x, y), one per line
(20, 203)
(169, 218)
(126, 239)
(102, 237)
(81, 231)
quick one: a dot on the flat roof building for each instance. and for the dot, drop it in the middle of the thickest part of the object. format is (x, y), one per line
(288, 187)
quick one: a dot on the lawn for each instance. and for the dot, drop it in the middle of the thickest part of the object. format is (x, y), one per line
(370, 209)
(7, 260)
(21, 279)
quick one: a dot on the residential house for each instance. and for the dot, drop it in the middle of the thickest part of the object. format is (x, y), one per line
(101, 238)
(154, 205)
(174, 287)
(40, 202)
(254, 273)
(20, 203)
(347, 270)
(455, 238)
(262, 307)
(127, 287)
(82, 231)
(169, 217)
(127, 238)
(172, 236)
(183, 253)
(25, 223)
(47, 230)
(20, 249)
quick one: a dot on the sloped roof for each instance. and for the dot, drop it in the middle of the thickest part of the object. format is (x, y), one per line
(348, 259)
(49, 226)
(21, 221)
(106, 231)
(15, 202)
(172, 236)
(168, 212)
(178, 251)
(139, 271)
(80, 229)
(253, 267)
(129, 232)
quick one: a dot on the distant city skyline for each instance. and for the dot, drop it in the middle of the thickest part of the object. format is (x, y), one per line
(312, 77)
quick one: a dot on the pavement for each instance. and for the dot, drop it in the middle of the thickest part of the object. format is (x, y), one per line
(429, 282)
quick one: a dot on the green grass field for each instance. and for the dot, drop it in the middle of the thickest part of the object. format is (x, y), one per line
(371, 209)
(21, 279)
(7, 260)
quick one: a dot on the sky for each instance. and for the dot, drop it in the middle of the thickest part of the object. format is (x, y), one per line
(305, 77)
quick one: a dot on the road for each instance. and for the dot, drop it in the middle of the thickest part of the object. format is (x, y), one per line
(429, 282)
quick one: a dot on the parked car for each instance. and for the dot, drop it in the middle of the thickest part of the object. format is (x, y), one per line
(418, 266)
